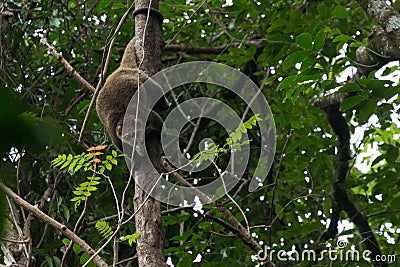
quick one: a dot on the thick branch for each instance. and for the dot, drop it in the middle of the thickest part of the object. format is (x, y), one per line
(384, 42)
(53, 223)
(360, 220)
(196, 49)
(331, 106)
(384, 14)
(382, 48)
(206, 49)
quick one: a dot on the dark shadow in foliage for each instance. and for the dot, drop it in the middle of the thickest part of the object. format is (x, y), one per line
(18, 129)
(13, 132)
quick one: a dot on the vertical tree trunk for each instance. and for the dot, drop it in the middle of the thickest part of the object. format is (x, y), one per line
(148, 218)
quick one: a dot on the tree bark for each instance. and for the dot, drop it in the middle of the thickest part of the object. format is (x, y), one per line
(148, 48)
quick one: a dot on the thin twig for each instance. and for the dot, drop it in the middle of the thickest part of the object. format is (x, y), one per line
(141, 204)
(186, 21)
(239, 230)
(102, 247)
(103, 73)
(229, 196)
(68, 67)
(79, 221)
(115, 196)
(256, 95)
(271, 208)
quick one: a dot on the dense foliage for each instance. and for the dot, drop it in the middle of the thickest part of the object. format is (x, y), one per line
(296, 51)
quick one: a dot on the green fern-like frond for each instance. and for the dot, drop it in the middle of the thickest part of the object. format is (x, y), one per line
(89, 161)
(74, 163)
(132, 238)
(85, 189)
(104, 229)
(233, 142)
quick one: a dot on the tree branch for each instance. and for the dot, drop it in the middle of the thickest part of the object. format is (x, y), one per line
(207, 49)
(53, 223)
(66, 64)
(235, 226)
(383, 43)
(340, 200)
(386, 15)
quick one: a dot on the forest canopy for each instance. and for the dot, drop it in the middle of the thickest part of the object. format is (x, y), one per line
(329, 71)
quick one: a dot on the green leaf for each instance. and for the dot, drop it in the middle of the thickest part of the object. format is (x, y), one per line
(185, 261)
(392, 154)
(307, 63)
(84, 184)
(233, 136)
(248, 125)
(109, 166)
(304, 40)
(241, 128)
(118, 6)
(341, 38)
(238, 135)
(104, 229)
(132, 238)
(379, 89)
(366, 111)
(64, 165)
(351, 102)
(77, 193)
(294, 80)
(71, 166)
(66, 241)
(319, 41)
(247, 142)
(101, 169)
(76, 199)
(77, 167)
(329, 84)
(91, 188)
(340, 12)
(350, 87)
(77, 249)
(66, 212)
(49, 261)
(292, 59)
(84, 258)
(323, 11)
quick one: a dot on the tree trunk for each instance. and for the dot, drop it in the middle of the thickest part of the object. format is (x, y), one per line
(148, 218)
